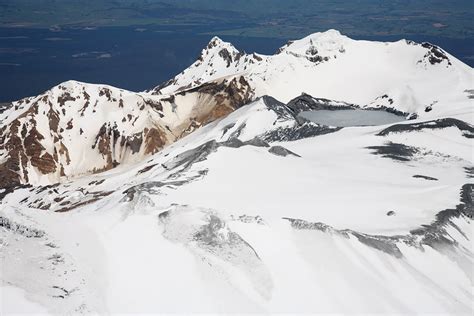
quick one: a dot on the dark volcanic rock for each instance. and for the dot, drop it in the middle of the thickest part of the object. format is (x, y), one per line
(424, 177)
(257, 142)
(5, 106)
(469, 172)
(435, 234)
(281, 151)
(65, 97)
(224, 53)
(305, 102)
(282, 111)
(466, 129)
(28, 232)
(395, 151)
(435, 55)
(298, 131)
(382, 243)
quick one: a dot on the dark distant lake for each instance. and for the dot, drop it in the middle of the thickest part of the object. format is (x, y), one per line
(33, 60)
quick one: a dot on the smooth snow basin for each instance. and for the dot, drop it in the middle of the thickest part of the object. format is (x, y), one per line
(356, 117)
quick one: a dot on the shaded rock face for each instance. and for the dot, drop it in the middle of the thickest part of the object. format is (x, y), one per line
(216, 100)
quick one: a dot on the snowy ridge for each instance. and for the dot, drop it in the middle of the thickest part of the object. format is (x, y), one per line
(124, 127)
(399, 75)
(77, 128)
(237, 203)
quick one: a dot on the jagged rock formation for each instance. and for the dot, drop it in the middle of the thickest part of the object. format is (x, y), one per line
(76, 128)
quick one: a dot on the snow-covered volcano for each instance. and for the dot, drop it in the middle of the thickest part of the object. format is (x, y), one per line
(211, 193)
(404, 75)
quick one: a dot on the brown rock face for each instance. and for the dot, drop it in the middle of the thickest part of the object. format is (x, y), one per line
(21, 150)
(106, 92)
(154, 141)
(64, 98)
(219, 111)
(223, 98)
(53, 124)
(216, 100)
(9, 170)
(105, 146)
(20, 143)
(107, 143)
(45, 163)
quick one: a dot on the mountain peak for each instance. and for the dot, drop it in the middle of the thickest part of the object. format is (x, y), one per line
(320, 43)
(215, 41)
(217, 45)
(328, 33)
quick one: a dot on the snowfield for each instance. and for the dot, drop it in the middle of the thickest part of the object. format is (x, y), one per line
(258, 210)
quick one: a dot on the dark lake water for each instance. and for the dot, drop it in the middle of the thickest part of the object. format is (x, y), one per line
(33, 60)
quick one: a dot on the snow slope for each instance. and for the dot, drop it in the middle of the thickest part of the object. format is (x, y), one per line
(403, 75)
(257, 212)
(245, 206)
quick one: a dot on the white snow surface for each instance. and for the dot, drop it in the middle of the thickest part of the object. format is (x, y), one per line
(355, 71)
(210, 225)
